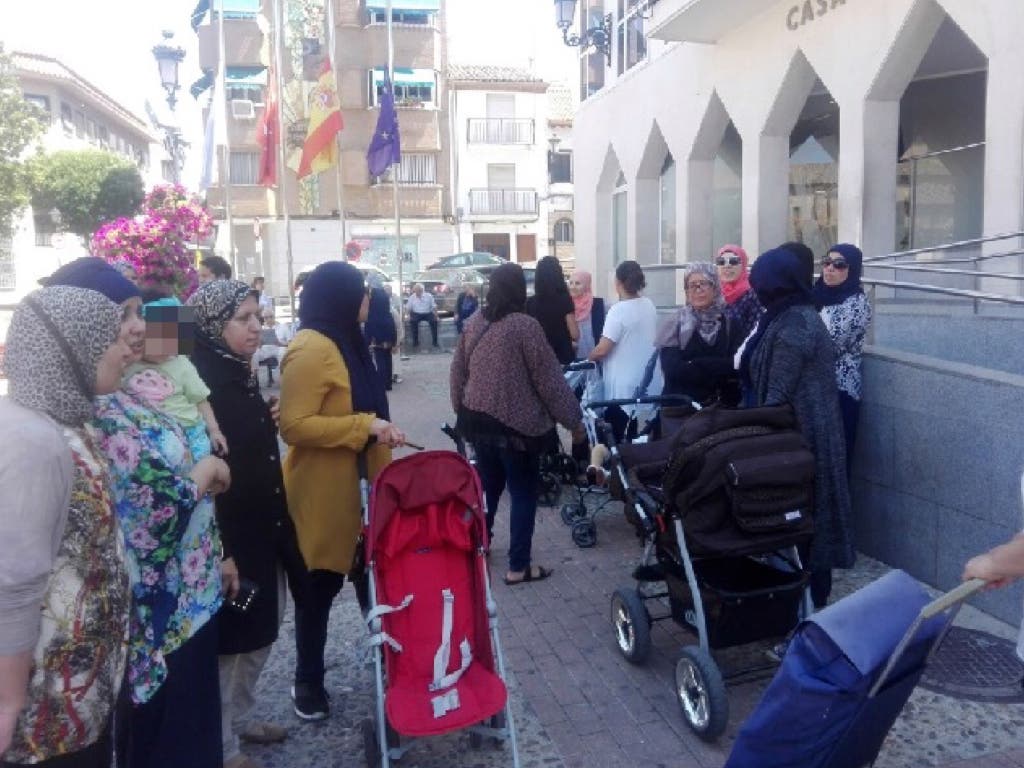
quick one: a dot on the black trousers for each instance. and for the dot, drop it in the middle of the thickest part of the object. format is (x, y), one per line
(415, 318)
(180, 725)
(311, 625)
(382, 362)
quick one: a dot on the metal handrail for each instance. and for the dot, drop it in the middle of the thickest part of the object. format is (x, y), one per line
(947, 247)
(942, 271)
(939, 152)
(960, 292)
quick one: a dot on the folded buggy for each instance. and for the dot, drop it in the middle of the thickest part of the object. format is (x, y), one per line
(433, 620)
(846, 676)
(720, 503)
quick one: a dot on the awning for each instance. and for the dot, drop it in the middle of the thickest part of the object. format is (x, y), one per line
(404, 5)
(705, 21)
(406, 76)
(242, 77)
(238, 8)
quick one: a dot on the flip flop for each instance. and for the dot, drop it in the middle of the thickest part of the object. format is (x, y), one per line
(529, 575)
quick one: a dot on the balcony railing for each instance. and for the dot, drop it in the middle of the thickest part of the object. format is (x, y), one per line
(488, 130)
(519, 202)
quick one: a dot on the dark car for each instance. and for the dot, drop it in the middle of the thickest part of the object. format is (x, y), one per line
(446, 284)
(484, 263)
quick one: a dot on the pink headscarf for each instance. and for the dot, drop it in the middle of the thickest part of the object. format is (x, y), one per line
(585, 301)
(734, 290)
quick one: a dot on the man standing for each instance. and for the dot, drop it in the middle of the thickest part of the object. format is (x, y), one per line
(420, 306)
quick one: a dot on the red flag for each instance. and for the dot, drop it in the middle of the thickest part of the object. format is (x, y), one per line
(268, 136)
(320, 151)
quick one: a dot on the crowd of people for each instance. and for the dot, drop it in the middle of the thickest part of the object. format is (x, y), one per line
(153, 531)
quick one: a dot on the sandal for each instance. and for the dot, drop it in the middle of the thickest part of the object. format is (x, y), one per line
(529, 575)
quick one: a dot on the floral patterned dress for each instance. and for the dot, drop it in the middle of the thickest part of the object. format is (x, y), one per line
(847, 324)
(78, 663)
(173, 544)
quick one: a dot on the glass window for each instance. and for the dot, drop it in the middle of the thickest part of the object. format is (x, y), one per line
(561, 167)
(564, 231)
(619, 220)
(592, 63)
(631, 42)
(416, 91)
(419, 18)
(245, 168)
(42, 103)
(814, 174)
(67, 119)
(79, 125)
(667, 205)
(252, 93)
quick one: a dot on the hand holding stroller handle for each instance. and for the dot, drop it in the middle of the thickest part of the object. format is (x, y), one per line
(580, 365)
(952, 597)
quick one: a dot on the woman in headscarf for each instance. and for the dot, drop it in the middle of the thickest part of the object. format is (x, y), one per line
(588, 310)
(508, 392)
(790, 359)
(256, 530)
(64, 590)
(696, 345)
(847, 314)
(733, 274)
(381, 333)
(332, 404)
(553, 308)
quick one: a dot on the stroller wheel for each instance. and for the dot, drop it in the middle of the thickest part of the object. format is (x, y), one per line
(584, 533)
(701, 693)
(572, 512)
(550, 489)
(632, 625)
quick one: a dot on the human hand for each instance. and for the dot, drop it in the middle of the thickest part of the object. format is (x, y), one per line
(984, 567)
(219, 443)
(387, 433)
(211, 475)
(229, 579)
(275, 409)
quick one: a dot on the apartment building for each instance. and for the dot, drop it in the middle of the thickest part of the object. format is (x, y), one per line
(319, 231)
(561, 198)
(77, 115)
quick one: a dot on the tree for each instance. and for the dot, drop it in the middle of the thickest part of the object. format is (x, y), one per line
(20, 126)
(89, 187)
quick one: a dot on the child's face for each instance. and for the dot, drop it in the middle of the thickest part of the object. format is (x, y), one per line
(169, 332)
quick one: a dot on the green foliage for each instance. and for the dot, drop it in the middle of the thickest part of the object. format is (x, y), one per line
(88, 187)
(19, 128)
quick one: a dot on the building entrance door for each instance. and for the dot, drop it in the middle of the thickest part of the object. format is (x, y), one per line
(526, 248)
(498, 244)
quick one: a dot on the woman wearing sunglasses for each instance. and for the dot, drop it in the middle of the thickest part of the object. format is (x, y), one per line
(734, 273)
(846, 312)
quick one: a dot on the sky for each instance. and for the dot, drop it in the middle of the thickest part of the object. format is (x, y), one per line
(109, 43)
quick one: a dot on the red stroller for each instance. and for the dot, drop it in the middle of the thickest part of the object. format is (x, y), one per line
(433, 620)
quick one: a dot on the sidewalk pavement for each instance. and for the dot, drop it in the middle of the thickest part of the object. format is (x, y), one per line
(575, 700)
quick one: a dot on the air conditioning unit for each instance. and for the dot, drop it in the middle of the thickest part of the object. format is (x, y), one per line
(243, 109)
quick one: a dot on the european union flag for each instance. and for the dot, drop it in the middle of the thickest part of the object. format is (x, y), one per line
(386, 147)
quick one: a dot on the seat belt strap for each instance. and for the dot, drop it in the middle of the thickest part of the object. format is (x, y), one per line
(444, 651)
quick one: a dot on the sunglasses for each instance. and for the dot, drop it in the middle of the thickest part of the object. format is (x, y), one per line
(699, 285)
(838, 264)
(732, 261)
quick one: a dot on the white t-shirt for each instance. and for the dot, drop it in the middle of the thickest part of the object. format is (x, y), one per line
(631, 324)
(420, 305)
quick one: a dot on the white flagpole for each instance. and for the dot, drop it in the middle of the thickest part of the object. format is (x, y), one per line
(226, 155)
(282, 171)
(394, 171)
(338, 177)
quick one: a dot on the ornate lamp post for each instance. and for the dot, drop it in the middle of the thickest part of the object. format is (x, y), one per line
(168, 59)
(599, 37)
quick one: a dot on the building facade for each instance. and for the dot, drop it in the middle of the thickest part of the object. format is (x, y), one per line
(319, 231)
(894, 124)
(77, 115)
(560, 198)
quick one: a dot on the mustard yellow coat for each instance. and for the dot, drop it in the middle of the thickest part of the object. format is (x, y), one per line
(324, 436)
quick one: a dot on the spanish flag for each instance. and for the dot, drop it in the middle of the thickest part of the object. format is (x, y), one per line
(320, 151)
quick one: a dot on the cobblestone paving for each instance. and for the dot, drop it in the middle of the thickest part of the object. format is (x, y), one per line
(576, 701)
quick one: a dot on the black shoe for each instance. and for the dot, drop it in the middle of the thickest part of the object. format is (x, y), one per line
(310, 701)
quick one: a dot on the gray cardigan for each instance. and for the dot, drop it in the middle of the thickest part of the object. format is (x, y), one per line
(795, 363)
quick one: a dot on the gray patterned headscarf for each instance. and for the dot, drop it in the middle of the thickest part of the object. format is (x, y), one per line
(216, 303)
(54, 345)
(678, 330)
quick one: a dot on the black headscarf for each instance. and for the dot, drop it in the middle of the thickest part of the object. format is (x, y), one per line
(826, 296)
(779, 278)
(95, 274)
(506, 292)
(380, 325)
(331, 298)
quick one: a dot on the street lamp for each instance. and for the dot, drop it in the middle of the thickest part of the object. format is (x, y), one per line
(168, 57)
(599, 37)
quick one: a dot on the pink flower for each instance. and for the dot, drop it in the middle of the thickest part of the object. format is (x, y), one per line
(141, 539)
(123, 451)
(193, 568)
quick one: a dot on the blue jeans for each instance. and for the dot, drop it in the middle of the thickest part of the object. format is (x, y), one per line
(519, 471)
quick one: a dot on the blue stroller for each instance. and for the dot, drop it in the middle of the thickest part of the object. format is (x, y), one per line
(845, 678)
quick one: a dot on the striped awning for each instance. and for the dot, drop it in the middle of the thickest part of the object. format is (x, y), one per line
(404, 5)
(407, 76)
(246, 76)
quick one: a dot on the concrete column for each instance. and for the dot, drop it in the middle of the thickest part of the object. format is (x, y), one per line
(1004, 161)
(869, 146)
(765, 191)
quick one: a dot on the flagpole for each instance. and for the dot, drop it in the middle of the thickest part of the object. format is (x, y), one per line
(222, 68)
(394, 171)
(282, 171)
(339, 183)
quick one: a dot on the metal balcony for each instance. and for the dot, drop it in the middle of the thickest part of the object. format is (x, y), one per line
(509, 202)
(488, 130)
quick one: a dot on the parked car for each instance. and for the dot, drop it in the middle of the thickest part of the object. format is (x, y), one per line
(447, 283)
(482, 262)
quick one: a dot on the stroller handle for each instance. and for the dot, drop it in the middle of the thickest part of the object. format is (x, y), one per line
(951, 598)
(645, 400)
(580, 365)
